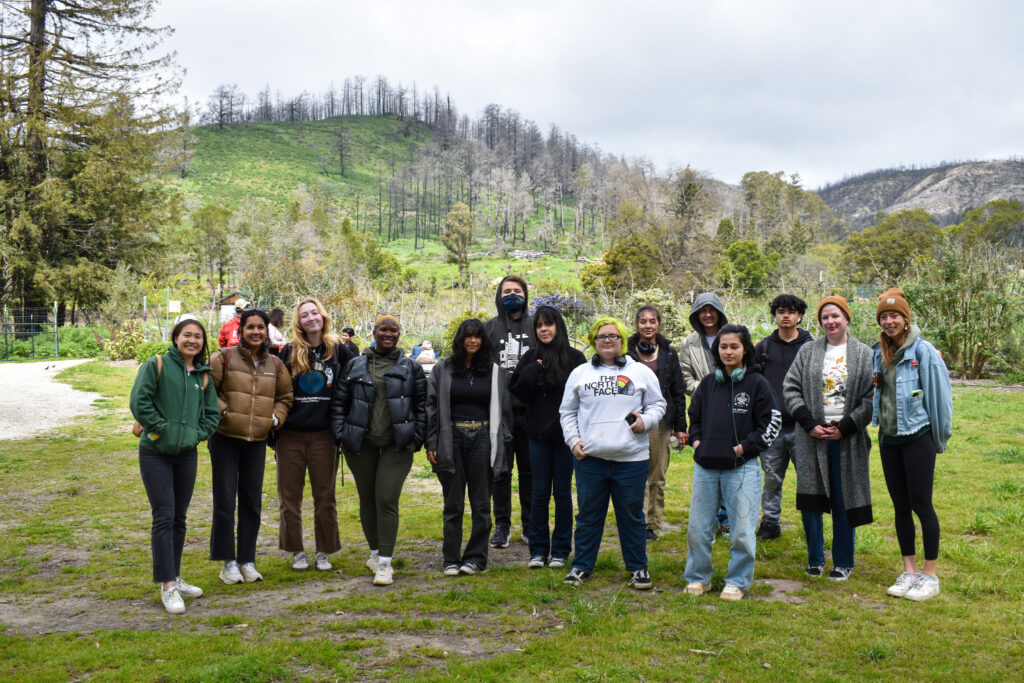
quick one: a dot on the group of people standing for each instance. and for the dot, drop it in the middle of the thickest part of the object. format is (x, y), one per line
(513, 393)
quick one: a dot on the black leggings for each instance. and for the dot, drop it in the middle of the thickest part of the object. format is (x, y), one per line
(909, 470)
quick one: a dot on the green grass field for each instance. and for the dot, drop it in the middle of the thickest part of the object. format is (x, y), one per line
(76, 600)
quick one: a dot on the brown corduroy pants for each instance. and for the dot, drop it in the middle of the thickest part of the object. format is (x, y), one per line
(316, 452)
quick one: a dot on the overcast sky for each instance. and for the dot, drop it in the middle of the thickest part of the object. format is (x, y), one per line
(823, 89)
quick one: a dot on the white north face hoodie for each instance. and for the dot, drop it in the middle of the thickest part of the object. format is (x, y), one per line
(598, 399)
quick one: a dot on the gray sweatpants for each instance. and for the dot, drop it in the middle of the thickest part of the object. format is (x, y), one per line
(774, 463)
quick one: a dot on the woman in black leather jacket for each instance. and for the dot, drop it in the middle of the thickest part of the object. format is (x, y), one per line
(379, 416)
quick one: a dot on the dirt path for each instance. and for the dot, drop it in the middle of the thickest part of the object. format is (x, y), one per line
(32, 403)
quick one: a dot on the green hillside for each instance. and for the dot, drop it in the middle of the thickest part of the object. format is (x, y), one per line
(271, 160)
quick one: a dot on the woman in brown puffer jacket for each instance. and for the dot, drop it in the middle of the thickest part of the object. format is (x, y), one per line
(254, 390)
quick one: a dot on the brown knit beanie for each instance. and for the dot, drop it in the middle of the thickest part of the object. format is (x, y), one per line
(893, 300)
(835, 300)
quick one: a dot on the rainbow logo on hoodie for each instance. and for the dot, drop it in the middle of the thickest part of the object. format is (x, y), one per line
(625, 385)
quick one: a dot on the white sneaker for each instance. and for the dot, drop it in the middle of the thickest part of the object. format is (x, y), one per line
(536, 562)
(697, 588)
(372, 563)
(557, 562)
(904, 582)
(384, 576)
(172, 600)
(924, 588)
(187, 590)
(249, 572)
(323, 564)
(450, 570)
(300, 562)
(731, 593)
(229, 573)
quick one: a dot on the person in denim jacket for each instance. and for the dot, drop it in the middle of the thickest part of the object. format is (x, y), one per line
(913, 409)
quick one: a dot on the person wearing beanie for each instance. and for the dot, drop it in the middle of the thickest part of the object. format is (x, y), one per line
(379, 416)
(913, 410)
(828, 392)
(608, 406)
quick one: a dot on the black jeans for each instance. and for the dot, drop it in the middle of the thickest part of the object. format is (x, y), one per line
(237, 468)
(471, 451)
(909, 470)
(169, 482)
(517, 453)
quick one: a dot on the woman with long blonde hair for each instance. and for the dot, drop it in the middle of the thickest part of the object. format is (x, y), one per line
(316, 360)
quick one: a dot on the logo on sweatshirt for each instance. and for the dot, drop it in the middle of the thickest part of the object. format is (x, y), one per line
(741, 403)
(610, 385)
(625, 385)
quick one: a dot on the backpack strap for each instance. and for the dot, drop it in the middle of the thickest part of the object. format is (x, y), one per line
(159, 367)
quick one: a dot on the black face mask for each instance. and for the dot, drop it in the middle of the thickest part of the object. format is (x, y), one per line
(646, 348)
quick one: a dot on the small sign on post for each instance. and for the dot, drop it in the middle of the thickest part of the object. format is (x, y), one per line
(174, 306)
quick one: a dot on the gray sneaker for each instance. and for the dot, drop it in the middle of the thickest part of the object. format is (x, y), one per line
(904, 582)
(229, 573)
(323, 563)
(172, 600)
(300, 562)
(187, 590)
(249, 572)
(924, 587)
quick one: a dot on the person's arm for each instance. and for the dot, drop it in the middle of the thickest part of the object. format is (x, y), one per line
(677, 389)
(217, 371)
(419, 404)
(653, 405)
(142, 400)
(209, 418)
(938, 393)
(432, 416)
(696, 418)
(283, 393)
(524, 378)
(568, 412)
(792, 392)
(340, 402)
(766, 421)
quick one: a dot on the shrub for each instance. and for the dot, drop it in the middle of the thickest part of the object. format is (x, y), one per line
(147, 350)
(125, 340)
(453, 327)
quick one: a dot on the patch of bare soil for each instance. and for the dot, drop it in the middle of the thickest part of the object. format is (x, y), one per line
(782, 589)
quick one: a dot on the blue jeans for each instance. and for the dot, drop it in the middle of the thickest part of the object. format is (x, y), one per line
(597, 480)
(740, 488)
(842, 532)
(552, 472)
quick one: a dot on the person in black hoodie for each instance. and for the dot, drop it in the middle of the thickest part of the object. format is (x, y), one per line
(539, 382)
(511, 334)
(647, 346)
(733, 417)
(315, 361)
(774, 354)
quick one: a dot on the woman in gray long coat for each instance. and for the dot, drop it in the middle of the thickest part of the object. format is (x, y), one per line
(828, 391)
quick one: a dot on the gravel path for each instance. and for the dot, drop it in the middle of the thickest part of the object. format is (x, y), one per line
(31, 402)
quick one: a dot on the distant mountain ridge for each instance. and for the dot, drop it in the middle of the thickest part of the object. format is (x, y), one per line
(946, 191)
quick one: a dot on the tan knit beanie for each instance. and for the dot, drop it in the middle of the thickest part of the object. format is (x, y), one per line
(835, 300)
(893, 300)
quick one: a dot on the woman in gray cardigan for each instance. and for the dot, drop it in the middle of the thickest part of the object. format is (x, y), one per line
(828, 391)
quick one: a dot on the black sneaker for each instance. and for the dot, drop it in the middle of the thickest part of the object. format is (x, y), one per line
(652, 535)
(815, 570)
(840, 573)
(768, 531)
(641, 579)
(471, 568)
(576, 577)
(500, 537)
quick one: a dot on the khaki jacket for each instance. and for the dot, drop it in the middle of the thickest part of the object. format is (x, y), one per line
(250, 397)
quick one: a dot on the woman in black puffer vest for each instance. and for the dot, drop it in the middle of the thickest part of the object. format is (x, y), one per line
(379, 416)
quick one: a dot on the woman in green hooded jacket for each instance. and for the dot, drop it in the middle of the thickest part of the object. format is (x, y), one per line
(175, 403)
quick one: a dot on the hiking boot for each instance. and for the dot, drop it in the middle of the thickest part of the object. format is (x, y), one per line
(768, 531)
(641, 579)
(229, 573)
(652, 535)
(249, 572)
(172, 600)
(384, 576)
(924, 588)
(536, 562)
(323, 563)
(500, 537)
(576, 577)
(731, 593)
(840, 573)
(904, 582)
(187, 590)
(300, 562)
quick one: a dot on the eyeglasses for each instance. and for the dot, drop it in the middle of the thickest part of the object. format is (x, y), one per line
(607, 337)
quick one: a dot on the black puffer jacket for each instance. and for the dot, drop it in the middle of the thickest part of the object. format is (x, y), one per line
(670, 377)
(354, 395)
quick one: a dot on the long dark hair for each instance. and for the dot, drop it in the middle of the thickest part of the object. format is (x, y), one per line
(483, 358)
(555, 365)
(201, 356)
(748, 346)
(248, 313)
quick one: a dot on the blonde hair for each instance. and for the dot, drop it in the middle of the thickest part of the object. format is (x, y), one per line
(299, 358)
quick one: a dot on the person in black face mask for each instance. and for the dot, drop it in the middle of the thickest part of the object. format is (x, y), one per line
(647, 346)
(512, 335)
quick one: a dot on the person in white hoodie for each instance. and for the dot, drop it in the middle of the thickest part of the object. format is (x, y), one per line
(608, 406)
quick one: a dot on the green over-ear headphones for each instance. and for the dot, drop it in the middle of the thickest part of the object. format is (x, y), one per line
(736, 375)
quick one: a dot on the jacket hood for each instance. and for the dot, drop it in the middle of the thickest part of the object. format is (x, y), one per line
(706, 299)
(174, 353)
(802, 336)
(497, 299)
